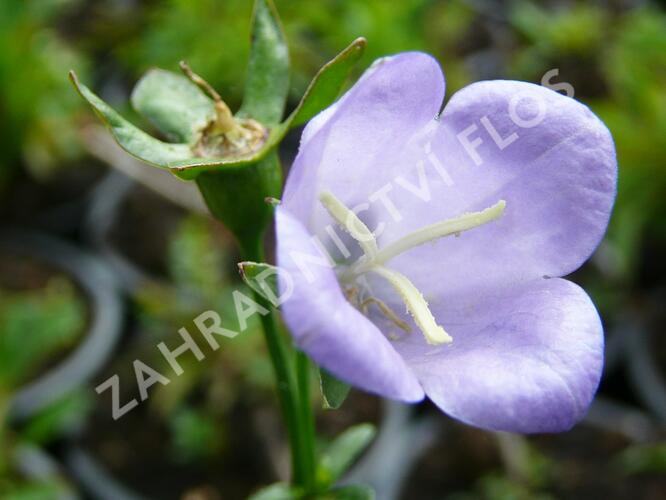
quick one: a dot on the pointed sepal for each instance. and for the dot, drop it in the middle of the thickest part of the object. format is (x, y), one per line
(333, 391)
(328, 83)
(134, 140)
(262, 278)
(171, 102)
(267, 82)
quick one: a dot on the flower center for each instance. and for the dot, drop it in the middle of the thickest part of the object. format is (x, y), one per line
(374, 258)
(224, 135)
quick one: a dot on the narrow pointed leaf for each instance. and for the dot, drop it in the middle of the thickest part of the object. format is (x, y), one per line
(176, 106)
(267, 83)
(327, 83)
(333, 391)
(135, 141)
(342, 453)
(262, 278)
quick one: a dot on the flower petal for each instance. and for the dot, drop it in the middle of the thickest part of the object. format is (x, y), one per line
(527, 359)
(379, 150)
(558, 178)
(346, 147)
(325, 325)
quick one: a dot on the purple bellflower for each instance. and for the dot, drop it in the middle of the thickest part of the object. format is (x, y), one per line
(425, 250)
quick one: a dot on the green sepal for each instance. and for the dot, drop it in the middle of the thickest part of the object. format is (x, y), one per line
(267, 83)
(134, 140)
(333, 391)
(342, 453)
(175, 105)
(262, 278)
(236, 197)
(327, 84)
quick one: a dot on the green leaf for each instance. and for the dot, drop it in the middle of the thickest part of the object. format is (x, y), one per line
(327, 83)
(267, 83)
(342, 452)
(333, 391)
(278, 491)
(175, 105)
(262, 278)
(349, 492)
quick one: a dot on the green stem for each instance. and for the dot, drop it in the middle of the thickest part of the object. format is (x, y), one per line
(286, 384)
(307, 423)
(236, 198)
(4, 445)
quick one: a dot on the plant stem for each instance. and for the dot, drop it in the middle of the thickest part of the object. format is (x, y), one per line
(307, 431)
(245, 213)
(4, 445)
(286, 384)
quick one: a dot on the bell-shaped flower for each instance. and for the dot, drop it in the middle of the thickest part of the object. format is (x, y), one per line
(425, 250)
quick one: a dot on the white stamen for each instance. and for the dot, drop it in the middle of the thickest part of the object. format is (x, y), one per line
(433, 232)
(350, 222)
(416, 305)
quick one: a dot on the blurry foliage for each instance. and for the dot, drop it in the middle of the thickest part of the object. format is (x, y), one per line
(212, 36)
(501, 488)
(63, 415)
(199, 268)
(578, 29)
(35, 326)
(165, 32)
(533, 472)
(34, 490)
(317, 29)
(197, 264)
(635, 65)
(643, 459)
(37, 107)
(195, 434)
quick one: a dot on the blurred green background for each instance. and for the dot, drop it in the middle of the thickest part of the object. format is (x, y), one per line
(173, 263)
